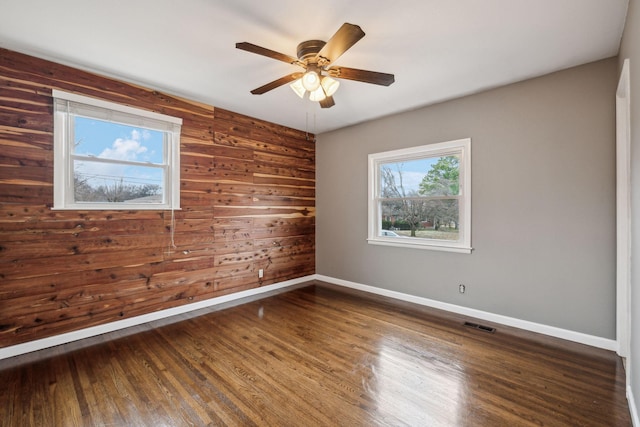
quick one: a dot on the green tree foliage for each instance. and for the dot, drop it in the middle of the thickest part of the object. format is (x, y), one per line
(443, 179)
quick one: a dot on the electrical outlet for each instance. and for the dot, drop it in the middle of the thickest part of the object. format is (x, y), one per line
(462, 288)
(260, 274)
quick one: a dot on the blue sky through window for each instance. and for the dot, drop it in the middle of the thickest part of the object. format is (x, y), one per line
(117, 141)
(102, 139)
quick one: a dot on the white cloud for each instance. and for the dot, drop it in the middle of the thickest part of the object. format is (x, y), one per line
(126, 149)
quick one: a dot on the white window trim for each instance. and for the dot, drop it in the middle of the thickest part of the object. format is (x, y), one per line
(463, 245)
(63, 161)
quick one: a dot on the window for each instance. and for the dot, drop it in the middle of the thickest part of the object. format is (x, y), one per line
(421, 197)
(110, 156)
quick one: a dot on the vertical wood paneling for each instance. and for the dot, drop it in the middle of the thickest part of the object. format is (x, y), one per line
(247, 197)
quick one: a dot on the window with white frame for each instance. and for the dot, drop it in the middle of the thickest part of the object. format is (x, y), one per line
(111, 156)
(420, 197)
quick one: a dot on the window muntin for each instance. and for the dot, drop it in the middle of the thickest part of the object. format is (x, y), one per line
(109, 156)
(421, 197)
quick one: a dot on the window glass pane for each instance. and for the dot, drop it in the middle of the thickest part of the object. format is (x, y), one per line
(427, 219)
(431, 176)
(116, 141)
(107, 182)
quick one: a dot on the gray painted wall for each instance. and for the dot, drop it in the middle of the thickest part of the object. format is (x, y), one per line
(630, 48)
(543, 208)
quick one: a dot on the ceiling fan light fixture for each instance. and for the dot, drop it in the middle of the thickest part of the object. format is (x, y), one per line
(329, 85)
(298, 88)
(311, 80)
(317, 95)
(316, 58)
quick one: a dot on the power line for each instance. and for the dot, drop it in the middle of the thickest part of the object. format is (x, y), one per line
(126, 179)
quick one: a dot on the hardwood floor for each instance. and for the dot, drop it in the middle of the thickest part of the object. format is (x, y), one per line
(318, 355)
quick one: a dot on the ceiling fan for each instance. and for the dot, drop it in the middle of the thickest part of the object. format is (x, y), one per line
(316, 58)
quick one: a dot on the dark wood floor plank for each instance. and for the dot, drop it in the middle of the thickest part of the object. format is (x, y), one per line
(317, 356)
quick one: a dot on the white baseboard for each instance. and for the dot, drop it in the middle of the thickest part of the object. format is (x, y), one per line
(579, 337)
(68, 337)
(633, 410)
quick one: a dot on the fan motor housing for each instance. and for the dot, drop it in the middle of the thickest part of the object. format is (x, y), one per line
(309, 49)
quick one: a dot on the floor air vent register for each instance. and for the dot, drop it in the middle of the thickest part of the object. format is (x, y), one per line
(482, 328)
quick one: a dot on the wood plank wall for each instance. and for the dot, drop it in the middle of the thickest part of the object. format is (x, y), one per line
(247, 197)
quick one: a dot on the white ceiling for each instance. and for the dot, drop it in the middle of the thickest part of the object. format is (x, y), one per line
(437, 49)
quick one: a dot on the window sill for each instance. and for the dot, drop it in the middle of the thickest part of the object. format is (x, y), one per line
(410, 243)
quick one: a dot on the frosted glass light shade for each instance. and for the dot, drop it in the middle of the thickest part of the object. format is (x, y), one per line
(317, 95)
(311, 80)
(330, 85)
(298, 88)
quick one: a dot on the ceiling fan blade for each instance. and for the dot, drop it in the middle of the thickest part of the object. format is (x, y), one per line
(365, 76)
(276, 83)
(328, 102)
(249, 47)
(343, 39)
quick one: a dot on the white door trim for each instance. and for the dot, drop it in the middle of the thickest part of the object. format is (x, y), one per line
(623, 212)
